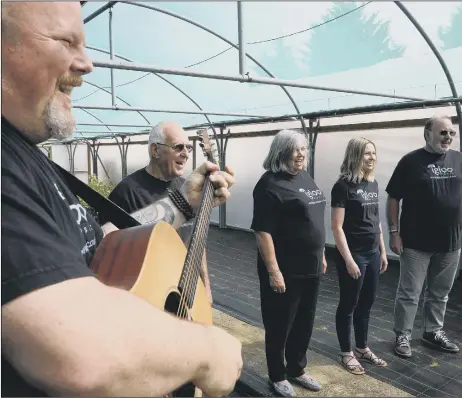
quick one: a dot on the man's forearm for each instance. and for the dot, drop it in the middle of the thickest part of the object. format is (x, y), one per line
(154, 359)
(162, 210)
(392, 214)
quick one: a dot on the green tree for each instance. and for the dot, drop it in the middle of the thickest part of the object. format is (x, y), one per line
(352, 41)
(452, 36)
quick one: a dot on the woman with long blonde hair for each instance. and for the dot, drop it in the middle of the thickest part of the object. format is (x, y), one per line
(360, 250)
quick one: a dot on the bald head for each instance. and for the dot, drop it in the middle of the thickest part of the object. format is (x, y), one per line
(168, 148)
(166, 132)
(43, 59)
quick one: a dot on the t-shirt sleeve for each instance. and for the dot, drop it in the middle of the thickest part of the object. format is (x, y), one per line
(119, 198)
(35, 252)
(122, 200)
(266, 210)
(339, 195)
(397, 184)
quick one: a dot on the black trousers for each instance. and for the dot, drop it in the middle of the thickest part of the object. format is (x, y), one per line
(288, 319)
(356, 298)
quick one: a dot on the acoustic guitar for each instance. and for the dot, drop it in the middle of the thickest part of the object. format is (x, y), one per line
(152, 262)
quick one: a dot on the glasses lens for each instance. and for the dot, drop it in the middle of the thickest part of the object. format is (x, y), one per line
(445, 133)
(181, 147)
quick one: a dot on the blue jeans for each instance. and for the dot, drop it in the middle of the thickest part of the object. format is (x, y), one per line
(356, 298)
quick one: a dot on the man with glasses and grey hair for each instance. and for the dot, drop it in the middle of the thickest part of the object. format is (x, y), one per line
(428, 235)
(168, 148)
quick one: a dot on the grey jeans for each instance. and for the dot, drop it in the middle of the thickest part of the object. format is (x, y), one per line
(438, 270)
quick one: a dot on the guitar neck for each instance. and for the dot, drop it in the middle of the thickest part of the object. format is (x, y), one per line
(193, 262)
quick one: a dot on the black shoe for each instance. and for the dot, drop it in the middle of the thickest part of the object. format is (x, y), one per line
(439, 341)
(403, 345)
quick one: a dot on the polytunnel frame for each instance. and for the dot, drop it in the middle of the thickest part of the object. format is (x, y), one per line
(243, 77)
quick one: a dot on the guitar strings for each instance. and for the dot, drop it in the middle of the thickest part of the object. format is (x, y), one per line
(192, 273)
(195, 255)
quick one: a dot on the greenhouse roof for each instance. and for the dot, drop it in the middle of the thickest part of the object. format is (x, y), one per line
(203, 63)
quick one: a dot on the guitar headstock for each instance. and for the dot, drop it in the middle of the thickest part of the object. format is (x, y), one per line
(209, 146)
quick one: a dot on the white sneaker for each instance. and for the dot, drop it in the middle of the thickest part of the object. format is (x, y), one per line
(283, 388)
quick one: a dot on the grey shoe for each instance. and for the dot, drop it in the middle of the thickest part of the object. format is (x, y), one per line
(306, 381)
(283, 388)
(403, 346)
(439, 341)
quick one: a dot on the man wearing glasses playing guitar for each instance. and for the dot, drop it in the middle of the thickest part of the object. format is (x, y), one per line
(168, 149)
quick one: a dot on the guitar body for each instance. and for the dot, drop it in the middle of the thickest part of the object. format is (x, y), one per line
(148, 260)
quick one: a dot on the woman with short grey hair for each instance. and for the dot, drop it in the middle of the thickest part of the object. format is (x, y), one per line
(288, 221)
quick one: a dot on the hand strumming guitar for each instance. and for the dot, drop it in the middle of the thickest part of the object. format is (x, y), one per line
(221, 181)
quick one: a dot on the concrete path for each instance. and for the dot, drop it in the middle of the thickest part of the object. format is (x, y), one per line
(333, 378)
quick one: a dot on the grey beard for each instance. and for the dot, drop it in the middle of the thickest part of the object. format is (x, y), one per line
(432, 149)
(59, 124)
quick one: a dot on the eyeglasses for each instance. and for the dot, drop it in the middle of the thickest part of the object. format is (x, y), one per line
(444, 133)
(178, 147)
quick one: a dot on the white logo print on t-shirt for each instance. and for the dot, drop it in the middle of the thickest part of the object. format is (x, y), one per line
(80, 214)
(440, 172)
(315, 195)
(370, 198)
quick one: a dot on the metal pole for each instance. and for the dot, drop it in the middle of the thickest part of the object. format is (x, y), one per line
(244, 79)
(115, 125)
(222, 208)
(240, 34)
(119, 98)
(149, 7)
(99, 11)
(111, 50)
(135, 109)
(164, 79)
(337, 112)
(440, 59)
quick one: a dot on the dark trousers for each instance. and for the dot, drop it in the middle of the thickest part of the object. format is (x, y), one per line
(356, 298)
(288, 319)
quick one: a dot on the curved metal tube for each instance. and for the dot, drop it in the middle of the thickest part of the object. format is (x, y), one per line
(440, 60)
(161, 77)
(125, 102)
(172, 14)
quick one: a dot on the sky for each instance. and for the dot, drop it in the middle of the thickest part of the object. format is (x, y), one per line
(156, 39)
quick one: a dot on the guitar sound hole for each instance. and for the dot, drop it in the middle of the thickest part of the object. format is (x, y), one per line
(172, 305)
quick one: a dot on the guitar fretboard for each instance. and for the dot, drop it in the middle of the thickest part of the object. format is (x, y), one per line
(193, 262)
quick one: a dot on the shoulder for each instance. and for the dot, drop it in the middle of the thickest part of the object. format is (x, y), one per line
(455, 155)
(341, 186)
(413, 156)
(267, 185)
(129, 182)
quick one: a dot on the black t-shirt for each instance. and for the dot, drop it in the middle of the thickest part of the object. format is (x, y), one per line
(430, 186)
(47, 236)
(291, 208)
(361, 204)
(141, 189)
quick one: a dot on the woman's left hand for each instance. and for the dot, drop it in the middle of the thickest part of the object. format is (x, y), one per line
(383, 263)
(324, 264)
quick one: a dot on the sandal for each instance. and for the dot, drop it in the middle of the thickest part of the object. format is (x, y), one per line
(354, 369)
(370, 357)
